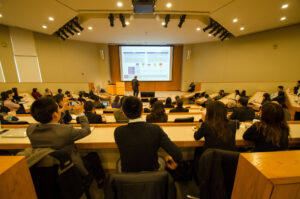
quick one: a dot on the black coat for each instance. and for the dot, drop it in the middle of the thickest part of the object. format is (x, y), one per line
(243, 114)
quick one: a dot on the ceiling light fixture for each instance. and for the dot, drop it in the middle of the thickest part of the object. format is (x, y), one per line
(111, 19)
(1, 15)
(209, 35)
(127, 23)
(57, 33)
(64, 33)
(242, 28)
(163, 23)
(70, 25)
(235, 20)
(122, 19)
(198, 29)
(119, 4)
(282, 18)
(51, 18)
(75, 22)
(169, 5)
(216, 26)
(284, 6)
(182, 20)
(167, 20)
(68, 30)
(78, 33)
(44, 26)
(211, 24)
(219, 30)
(90, 28)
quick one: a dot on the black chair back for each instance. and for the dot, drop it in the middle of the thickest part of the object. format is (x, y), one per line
(183, 120)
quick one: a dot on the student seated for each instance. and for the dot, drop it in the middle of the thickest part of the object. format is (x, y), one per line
(168, 103)
(297, 88)
(81, 98)
(35, 93)
(49, 133)
(280, 97)
(221, 95)
(272, 132)
(59, 91)
(64, 106)
(243, 94)
(70, 96)
(48, 93)
(139, 142)
(176, 98)
(151, 103)
(10, 118)
(274, 95)
(119, 114)
(266, 98)
(90, 113)
(218, 131)
(237, 95)
(158, 114)
(243, 112)
(7, 98)
(92, 95)
(192, 87)
(116, 103)
(179, 107)
(16, 97)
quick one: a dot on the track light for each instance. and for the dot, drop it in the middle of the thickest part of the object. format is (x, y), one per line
(75, 22)
(57, 33)
(70, 25)
(219, 30)
(182, 19)
(122, 19)
(225, 36)
(167, 19)
(64, 33)
(214, 29)
(68, 30)
(111, 19)
(211, 24)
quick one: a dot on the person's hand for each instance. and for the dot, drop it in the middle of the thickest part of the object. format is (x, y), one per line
(171, 164)
(78, 108)
(12, 113)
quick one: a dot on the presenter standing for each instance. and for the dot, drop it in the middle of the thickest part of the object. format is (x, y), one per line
(135, 86)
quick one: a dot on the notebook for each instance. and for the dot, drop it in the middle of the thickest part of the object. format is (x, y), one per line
(15, 133)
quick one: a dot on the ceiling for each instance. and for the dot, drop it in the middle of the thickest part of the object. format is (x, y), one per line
(253, 15)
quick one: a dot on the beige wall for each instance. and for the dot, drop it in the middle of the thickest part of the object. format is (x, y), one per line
(265, 57)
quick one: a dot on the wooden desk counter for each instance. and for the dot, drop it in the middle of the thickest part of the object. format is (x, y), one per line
(256, 100)
(227, 98)
(292, 103)
(15, 178)
(268, 175)
(202, 100)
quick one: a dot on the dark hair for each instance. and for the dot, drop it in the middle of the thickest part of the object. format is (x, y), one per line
(67, 92)
(237, 92)
(15, 90)
(179, 103)
(298, 81)
(43, 108)
(221, 91)
(152, 101)
(59, 91)
(34, 89)
(117, 99)
(216, 118)
(281, 87)
(88, 106)
(206, 95)
(132, 107)
(267, 98)
(46, 90)
(9, 92)
(158, 110)
(168, 101)
(122, 100)
(273, 124)
(243, 101)
(4, 95)
(58, 98)
(177, 97)
(243, 93)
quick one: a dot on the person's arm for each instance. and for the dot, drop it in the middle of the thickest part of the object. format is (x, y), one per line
(251, 133)
(85, 126)
(13, 105)
(170, 147)
(233, 116)
(200, 132)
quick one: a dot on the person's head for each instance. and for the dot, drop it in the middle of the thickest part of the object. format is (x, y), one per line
(179, 103)
(4, 95)
(10, 94)
(231, 104)
(243, 101)
(59, 99)
(117, 99)
(135, 77)
(243, 93)
(152, 101)
(273, 123)
(206, 96)
(15, 90)
(34, 90)
(266, 97)
(132, 107)
(158, 109)
(221, 92)
(59, 91)
(45, 110)
(122, 100)
(237, 92)
(68, 94)
(89, 107)
(280, 88)
(298, 83)
(177, 97)
(216, 117)
(168, 101)
(47, 90)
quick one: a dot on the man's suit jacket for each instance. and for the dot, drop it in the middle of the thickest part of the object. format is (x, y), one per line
(135, 84)
(60, 137)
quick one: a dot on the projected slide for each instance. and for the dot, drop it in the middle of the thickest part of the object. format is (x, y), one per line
(149, 63)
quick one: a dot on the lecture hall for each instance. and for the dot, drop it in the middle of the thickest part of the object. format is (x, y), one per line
(149, 99)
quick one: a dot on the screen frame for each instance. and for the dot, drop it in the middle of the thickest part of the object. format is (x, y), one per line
(171, 63)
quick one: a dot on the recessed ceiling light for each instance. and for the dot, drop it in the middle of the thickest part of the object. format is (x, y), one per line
(242, 28)
(198, 29)
(163, 23)
(284, 6)
(209, 35)
(282, 18)
(235, 20)
(169, 5)
(1, 15)
(44, 26)
(78, 33)
(127, 23)
(51, 18)
(90, 28)
(119, 4)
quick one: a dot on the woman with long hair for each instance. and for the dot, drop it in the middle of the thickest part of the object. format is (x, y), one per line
(272, 132)
(157, 114)
(218, 131)
(168, 103)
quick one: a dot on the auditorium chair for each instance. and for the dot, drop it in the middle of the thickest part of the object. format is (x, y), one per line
(184, 120)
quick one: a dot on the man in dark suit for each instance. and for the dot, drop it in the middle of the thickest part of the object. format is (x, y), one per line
(139, 142)
(243, 112)
(48, 133)
(179, 107)
(135, 86)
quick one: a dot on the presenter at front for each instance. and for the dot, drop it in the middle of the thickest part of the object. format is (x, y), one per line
(135, 86)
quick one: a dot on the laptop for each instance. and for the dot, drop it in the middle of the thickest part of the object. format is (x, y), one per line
(15, 133)
(105, 104)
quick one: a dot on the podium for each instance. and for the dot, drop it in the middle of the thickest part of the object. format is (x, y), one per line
(116, 89)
